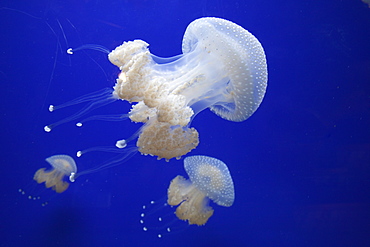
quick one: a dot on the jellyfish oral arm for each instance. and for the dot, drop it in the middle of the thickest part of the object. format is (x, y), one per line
(121, 158)
(193, 204)
(88, 47)
(212, 177)
(95, 100)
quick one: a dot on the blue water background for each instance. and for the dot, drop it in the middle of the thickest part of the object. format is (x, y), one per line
(300, 164)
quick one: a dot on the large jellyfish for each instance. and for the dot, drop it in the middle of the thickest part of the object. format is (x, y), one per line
(63, 166)
(223, 67)
(209, 178)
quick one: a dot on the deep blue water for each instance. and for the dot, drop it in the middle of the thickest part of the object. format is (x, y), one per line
(300, 164)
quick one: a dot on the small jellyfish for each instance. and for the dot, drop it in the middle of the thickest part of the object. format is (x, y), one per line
(63, 165)
(209, 178)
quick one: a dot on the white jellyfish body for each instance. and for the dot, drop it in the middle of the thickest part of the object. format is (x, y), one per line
(209, 179)
(223, 67)
(212, 177)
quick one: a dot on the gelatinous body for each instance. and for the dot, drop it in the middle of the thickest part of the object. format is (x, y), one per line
(209, 178)
(63, 166)
(223, 67)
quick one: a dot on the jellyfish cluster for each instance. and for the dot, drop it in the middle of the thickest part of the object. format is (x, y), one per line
(222, 67)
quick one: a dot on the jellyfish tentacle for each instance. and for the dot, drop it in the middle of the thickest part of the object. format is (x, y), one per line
(95, 100)
(89, 47)
(112, 117)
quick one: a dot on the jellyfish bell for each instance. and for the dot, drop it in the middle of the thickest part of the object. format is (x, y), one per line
(222, 67)
(209, 179)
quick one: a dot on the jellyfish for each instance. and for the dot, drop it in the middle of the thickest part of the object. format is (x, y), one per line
(209, 178)
(222, 67)
(63, 166)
